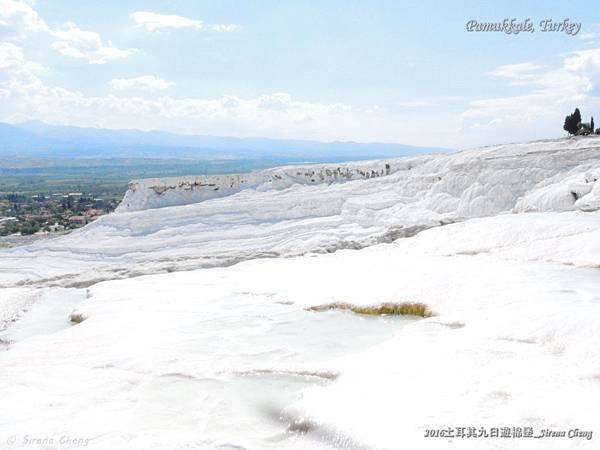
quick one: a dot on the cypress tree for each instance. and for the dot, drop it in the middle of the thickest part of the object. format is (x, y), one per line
(577, 117)
(572, 122)
(570, 126)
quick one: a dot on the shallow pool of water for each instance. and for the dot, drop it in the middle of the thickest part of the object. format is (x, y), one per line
(230, 377)
(48, 314)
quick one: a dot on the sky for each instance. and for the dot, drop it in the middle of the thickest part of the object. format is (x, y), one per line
(366, 71)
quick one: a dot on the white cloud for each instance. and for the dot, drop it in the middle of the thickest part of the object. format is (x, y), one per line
(584, 61)
(77, 43)
(591, 34)
(587, 36)
(17, 68)
(145, 82)
(12, 57)
(18, 18)
(553, 93)
(277, 115)
(279, 101)
(152, 21)
(226, 28)
(517, 73)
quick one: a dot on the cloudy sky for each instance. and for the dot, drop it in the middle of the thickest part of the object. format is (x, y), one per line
(385, 71)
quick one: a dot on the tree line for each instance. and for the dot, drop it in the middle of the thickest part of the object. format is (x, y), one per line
(574, 126)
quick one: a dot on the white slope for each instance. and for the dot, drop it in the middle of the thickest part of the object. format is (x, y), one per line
(160, 192)
(285, 214)
(228, 357)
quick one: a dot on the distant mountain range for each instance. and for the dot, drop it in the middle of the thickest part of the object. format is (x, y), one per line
(40, 140)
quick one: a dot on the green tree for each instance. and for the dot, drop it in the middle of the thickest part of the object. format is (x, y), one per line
(570, 126)
(577, 117)
(572, 122)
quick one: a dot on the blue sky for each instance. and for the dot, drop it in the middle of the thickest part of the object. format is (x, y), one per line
(385, 71)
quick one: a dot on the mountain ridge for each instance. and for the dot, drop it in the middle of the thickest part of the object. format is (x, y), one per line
(40, 139)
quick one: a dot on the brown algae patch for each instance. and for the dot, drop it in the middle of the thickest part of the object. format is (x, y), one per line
(382, 309)
(77, 317)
